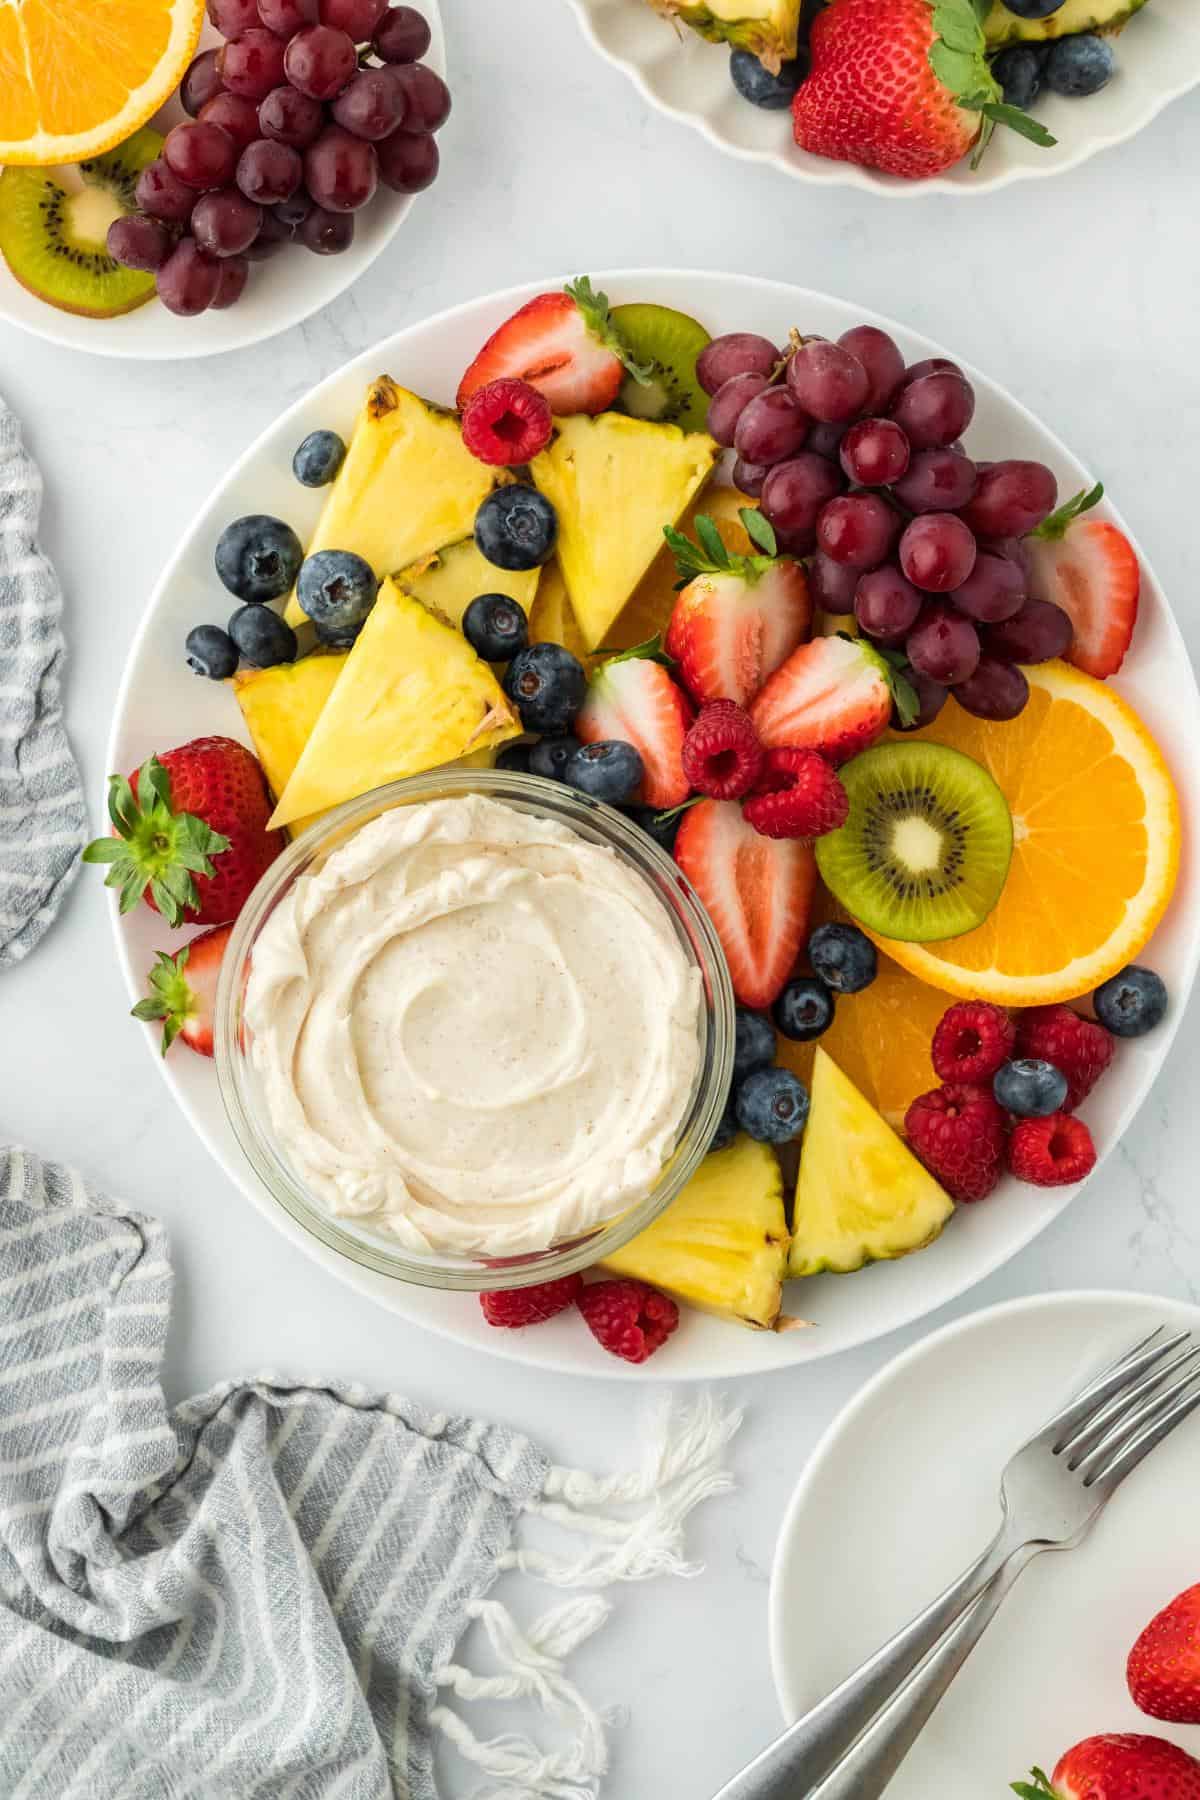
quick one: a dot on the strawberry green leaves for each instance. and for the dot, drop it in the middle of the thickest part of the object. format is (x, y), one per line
(594, 309)
(154, 849)
(1037, 1789)
(170, 998)
(1060, 522)
(712, 556)
(958, 57)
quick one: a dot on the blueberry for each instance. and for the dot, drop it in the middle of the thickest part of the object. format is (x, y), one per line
(772, 1105)
(1033, 9)
(549, 757)
(726, 1130)
(263, 638)
(319, 458)
(1019, 72)
(804, 1009)
(211, 652)
(756, 84)
(610, 770)
(547, 685)
(515, 758)
(495, 626)
(753, 1043)
(258, 558)
(1030, 1088)
(844, 958)
(516, 527)
(1131, 1003)
(662, 827)
(337, 590)
(1079, 65)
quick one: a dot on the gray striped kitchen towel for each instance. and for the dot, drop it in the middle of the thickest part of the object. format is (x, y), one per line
(260, 1592)
(43, 822)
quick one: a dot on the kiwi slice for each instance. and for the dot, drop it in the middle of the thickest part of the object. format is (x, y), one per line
(54, 223)
(925, 850)
(666, 343)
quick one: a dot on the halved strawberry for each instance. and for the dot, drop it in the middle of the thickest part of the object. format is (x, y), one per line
(833, 695)
(183, 991)
(756, 890)
(633, 697)
(564, 345)
(739, 617)
(1090, 569)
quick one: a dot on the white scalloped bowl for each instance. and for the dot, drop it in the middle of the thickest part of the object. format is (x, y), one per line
(688, 79)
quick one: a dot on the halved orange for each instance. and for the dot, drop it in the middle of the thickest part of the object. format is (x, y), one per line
(1095, 853)
(77, 76)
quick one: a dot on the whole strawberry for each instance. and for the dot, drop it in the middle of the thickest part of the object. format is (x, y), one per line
(900, 85)
(1163, 1670)
(958, 1131)
(1118, 1766)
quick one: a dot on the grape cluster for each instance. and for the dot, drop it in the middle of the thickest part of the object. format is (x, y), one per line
(294, 122)
(858, 464)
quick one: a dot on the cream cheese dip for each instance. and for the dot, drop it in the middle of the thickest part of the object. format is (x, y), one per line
(475, 1030)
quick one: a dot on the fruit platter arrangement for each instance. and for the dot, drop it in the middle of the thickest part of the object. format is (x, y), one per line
(763, 597)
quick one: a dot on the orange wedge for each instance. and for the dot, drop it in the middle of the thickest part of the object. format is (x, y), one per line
(77, 76)
(1095, 853)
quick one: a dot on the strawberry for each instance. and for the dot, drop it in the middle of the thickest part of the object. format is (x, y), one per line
(183, 991)
(189, 832)
(1118, 1766)
(632, 697)
(901, 85)
(564, 345)
(833, 695)
(1163, 1670)
(738, 617)
(1090, 569)
(757, 891)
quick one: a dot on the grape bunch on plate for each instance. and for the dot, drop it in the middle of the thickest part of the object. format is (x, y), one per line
(859, 465)
(294, 122)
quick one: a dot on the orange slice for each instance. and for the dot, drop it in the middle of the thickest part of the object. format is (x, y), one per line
(1096, 845)
(77, 76)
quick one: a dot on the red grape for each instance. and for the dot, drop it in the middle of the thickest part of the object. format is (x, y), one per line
(408, 161)
(290, 117)
(832, 585)
(201, 154)
(427, 97)
(936, 481)
(402, 36)
(294, 210)
(251, 65)
(225, 223)
(878, 354)
(200, 83)
(934, 410)
(737, 353)
(160, 193)
(997, 690)
(937, 552)
(825, 440)
(994, 590)
(728, 403)
(932, 365)
(931, 697)
(748, 477)
(828, 381)
(357, 18)
(273, 234)
(340, 171)
(771, 427)
(268, 172)
(233, 16)
(373, 106)
(795, 491)
(1012, 498)
(943, 645)
(1038, 632)
(188, 280)
(1016, 550)
(886, 605)
(234, 114)
(326, 233)
(320, 61)
(137, 241)
(286, 17)
(235, 271)
(858, 529)
(875, 452)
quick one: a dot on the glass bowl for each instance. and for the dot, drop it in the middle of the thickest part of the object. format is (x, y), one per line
(240, 1083)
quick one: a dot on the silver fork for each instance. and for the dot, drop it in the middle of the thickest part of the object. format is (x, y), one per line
(849, 1746)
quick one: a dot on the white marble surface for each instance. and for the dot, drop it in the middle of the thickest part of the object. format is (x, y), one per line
(1079, 294)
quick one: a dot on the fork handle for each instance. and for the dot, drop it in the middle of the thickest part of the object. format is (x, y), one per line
(809, 1749)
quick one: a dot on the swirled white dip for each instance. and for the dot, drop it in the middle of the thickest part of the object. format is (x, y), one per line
(475, 1030)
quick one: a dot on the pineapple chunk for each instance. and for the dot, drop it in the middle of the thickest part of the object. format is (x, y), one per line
(614, 483)
(408, 485)
(862, 1196)
(412, 696)
(450, 579)
(280, 706)
(767, 28)
(722, 1244)
(1003, 26)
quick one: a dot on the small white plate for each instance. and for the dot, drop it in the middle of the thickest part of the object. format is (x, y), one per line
(279, 294)
(688, 79)
(901, 1494)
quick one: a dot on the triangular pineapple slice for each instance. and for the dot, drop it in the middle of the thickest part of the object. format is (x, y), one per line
(408, 485)
(413, 695)
(614, 483)
(553, 620)
(862, 1196)
(281, 705)
(722, 1244)
(453, 576)
(769, 29)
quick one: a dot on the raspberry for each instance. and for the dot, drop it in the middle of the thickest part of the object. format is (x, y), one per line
(513, 1307)
(506, 422)
(799, 796)
(1080, 1048)
(1051, 1152)
(628, 1318)
(958, 1133)
(721, 754)
(972, 1041)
